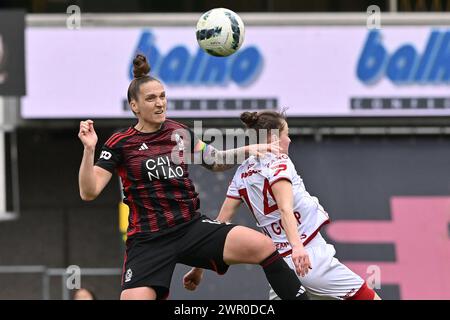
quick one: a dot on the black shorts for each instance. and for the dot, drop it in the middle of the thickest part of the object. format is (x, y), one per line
(150, 262)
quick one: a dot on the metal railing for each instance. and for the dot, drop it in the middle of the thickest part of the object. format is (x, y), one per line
(46, 273)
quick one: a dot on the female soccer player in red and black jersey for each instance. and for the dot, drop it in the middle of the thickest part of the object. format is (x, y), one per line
(165, 226)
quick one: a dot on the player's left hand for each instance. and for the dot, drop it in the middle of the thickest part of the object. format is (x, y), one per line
(259, 150)
(192, 279)
(301, 260)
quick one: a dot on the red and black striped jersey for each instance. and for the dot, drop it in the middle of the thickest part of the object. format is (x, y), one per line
(155, 178)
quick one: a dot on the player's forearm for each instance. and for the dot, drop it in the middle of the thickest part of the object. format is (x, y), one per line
(224, 217)
(290, 227)
(217, 160)
(86, 176)
(228, 210)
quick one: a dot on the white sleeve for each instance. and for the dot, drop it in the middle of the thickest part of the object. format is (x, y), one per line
(233, 189)
(281, 169)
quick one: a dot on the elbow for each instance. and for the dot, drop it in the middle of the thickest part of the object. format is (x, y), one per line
(87, 197)
(285, 211)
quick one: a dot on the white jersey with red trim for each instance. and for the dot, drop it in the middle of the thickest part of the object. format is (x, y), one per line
(252, 183)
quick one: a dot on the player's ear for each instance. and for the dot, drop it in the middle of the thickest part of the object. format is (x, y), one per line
(134, 107)
(274, 137)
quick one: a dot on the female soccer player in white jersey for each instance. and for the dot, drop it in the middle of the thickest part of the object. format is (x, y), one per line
(287, 213)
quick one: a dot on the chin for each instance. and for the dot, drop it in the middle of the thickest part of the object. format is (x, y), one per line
(161, 118)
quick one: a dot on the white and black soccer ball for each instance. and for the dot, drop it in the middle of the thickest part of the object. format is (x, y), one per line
(220, 32)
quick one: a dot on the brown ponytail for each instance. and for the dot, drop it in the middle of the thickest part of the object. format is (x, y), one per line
(141, 70)
(141, 67)
(249, 118)
(267, 119)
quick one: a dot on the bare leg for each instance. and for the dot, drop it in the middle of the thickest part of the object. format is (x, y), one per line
(245, 245)
(141, 293)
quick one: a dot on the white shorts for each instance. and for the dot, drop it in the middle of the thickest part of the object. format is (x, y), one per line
(328, 278)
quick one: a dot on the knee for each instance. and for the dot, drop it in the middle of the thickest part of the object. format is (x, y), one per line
(124, 295)
(141, 293)
(267, 248)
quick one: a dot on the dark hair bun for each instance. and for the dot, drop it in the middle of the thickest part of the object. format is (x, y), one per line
(249, 118)
(141, 68)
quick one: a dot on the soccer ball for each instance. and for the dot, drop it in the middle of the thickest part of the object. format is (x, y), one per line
(220, 32)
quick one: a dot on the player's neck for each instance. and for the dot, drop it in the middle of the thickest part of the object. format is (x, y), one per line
(145, 127)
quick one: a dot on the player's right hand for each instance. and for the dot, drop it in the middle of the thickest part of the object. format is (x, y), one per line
(301, 260)
(87, 134)
(192, 279)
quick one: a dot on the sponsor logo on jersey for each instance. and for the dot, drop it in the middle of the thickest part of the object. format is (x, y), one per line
(249, 173)
(143, 147)
(277, 227)
(162, 168)
(105, 155)
(282, 245)
(128, 275)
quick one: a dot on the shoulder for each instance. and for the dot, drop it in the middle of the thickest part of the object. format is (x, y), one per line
(271, 158)
(282, 162)
(283, 157)
(119, 136)
(172, 124)
(180, 130)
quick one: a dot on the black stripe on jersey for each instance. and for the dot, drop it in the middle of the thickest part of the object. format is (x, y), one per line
(192, 193)
(133, 216)
(175, 209)
(143, 221)
(158, 211)
(185, 193)
(186, 204)
(165, 201)
(189, 191)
